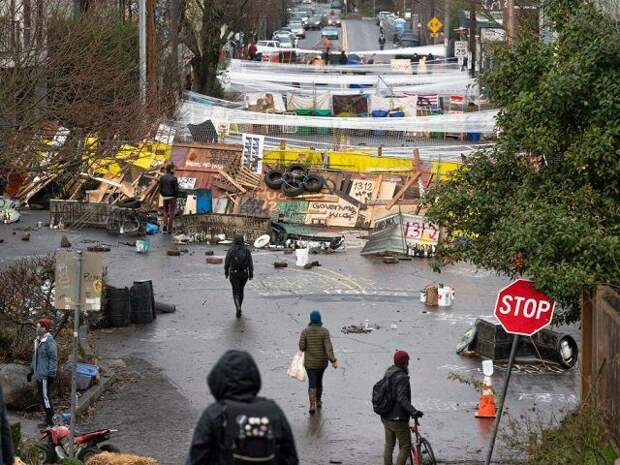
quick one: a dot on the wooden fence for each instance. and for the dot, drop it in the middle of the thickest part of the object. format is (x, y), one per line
(600, 359)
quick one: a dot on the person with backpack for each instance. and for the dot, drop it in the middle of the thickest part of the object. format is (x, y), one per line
(169, 191)
(238, 267)
(317, 347)
(391, 399)
(240, 428)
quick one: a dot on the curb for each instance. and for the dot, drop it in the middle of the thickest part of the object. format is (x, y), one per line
(93, 394)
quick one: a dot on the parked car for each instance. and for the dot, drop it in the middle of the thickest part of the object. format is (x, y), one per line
(267, 46)
(288, 41)
(316, 22)
(297, 28)
(408, 39)
(330, 32)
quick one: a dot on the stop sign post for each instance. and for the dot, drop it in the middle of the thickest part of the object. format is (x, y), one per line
(522, 310)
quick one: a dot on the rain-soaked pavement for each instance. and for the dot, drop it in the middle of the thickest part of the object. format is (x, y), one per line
(164, 391)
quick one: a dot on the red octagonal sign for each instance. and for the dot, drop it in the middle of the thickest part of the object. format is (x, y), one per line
(523, 310)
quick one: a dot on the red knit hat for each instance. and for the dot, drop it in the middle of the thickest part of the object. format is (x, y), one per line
(401, 358)
(46, 323)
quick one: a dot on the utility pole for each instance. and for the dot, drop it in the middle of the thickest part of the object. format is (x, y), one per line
(509, 14)
(151, 49)
(142, 48)
(446, 25)
(472, 37)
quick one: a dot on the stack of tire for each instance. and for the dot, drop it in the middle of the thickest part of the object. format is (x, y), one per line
(294, 180)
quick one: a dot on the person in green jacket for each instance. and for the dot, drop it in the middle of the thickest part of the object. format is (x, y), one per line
(318, 351)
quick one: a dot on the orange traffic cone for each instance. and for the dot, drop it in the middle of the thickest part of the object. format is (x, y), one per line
(486, 406)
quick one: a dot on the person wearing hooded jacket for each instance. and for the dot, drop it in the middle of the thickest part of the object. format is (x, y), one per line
(235, 382)
(396, 421)
(238, 267)
(316, 345)
(44, 367)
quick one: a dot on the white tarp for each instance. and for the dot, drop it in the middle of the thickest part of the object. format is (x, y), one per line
(269, 101)
(408, 105)
(320, 101)
(473, 122)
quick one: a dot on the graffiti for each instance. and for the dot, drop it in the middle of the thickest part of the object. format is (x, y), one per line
(362, 189)
(334, 210)
(294, 211)
(252, 226)
(253, 207)
(420, 231)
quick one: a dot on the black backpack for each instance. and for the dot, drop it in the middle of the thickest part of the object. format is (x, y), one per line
(252, 432)
(239, 259)
(383, 396)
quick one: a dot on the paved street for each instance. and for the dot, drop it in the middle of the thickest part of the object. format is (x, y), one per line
(164, 390)
(360, 35)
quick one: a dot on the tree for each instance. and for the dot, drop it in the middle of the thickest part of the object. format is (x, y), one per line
(207, 26)
(544, 202)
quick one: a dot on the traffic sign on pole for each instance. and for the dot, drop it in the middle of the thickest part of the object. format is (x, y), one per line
(434, 24)
(523, 311)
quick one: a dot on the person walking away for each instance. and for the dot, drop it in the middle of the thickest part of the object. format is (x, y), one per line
(252, 51)
(396, 417)
(238, 267)
(241, 428)
(6, 442)
(169, 190)
(316, 344)
(44, 367)
(381, 42)
(343, 60)
(325, 56)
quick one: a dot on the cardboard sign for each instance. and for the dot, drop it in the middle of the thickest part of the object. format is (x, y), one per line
(90, 277)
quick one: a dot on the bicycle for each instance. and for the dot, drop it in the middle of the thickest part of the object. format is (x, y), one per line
(421, 450)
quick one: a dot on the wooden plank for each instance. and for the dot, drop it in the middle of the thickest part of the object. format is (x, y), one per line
(232, 181)
(408, 184)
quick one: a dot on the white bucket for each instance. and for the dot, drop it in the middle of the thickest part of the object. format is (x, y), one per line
(302, 256)
(445, 296)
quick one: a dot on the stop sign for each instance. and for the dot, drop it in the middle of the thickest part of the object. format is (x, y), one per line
(523, 310)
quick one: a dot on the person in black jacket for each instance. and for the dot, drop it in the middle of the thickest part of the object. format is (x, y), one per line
(343, 60)
(240, 426)
(6, 443)
(396, 422)
(238, 267)
(169, 190)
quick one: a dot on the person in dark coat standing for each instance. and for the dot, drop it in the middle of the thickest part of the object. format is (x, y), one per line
(169, 190)
(6, 442)
(396, 422)
(44, 367)
(343, 60)
(238, 267)
(220, 437)
(316, 344)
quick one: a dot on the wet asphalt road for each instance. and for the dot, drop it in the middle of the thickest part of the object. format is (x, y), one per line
(169, 360)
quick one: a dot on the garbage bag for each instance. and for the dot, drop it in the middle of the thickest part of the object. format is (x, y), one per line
(296, 368)
(302, 257)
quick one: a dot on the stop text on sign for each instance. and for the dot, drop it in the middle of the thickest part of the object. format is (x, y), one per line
(519, 305)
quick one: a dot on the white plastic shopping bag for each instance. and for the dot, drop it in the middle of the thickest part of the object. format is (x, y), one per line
(296, 368)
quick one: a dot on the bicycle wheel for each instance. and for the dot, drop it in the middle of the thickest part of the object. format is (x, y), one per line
(427, 457)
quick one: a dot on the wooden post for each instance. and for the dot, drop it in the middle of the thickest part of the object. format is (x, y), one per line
(586, 344)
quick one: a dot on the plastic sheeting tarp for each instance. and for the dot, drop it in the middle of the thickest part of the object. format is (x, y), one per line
(474, 122)
(264, 102)
(320, 101)
(405, 104)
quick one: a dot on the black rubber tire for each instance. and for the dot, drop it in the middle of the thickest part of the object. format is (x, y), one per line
(87, 453)
(564, 363)
(274, 179)
(110, 448)
(314, 183)
(427, 456)
(296, 171)
(128, 203)
(292, 187)
(45, 453)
